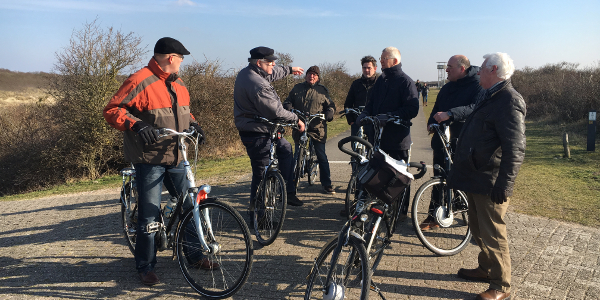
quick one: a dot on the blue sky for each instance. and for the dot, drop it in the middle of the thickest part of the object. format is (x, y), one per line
(532, 32)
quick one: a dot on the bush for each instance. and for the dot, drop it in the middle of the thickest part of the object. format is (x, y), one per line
(561, 91)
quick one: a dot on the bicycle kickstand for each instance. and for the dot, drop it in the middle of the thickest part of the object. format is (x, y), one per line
(375, 288)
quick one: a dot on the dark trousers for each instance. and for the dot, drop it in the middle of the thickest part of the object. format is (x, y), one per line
(324, 172)
(258, 148)
(150, 179)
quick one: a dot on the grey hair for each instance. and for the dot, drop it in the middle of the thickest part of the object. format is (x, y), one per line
(506, 66)
(253, 61)
(463, 61)
(393, 52)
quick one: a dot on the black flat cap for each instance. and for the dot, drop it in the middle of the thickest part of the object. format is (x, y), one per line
(169, 45)
(314, 69)
(262, 53)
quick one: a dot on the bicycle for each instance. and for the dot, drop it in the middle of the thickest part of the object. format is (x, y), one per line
(357, 147)
(270, 203)
(362, 240)
(436, 202)
(209, 229)
(305, 159)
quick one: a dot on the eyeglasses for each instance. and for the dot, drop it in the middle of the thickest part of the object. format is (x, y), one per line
(268, 62)
(385, 58)
(176, 55)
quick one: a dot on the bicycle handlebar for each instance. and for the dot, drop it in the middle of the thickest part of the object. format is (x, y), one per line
(352, 138)
(421, 167)
(383, 119)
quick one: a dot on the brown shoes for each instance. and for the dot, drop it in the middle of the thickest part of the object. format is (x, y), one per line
(149, 278)
(476, 274)
(428, 224)
(492, 294)
(206, 264)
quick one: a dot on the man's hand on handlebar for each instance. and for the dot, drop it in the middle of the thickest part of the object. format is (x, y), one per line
(200, 132)
(301, 125)
(441, 116)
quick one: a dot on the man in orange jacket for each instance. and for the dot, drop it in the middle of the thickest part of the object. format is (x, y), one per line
(154, 97)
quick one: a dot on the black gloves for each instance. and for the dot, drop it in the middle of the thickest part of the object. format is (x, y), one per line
(499, 196)
(329, 115)
(360, 119)
(287, 106)
(145, 131)
(202, 138)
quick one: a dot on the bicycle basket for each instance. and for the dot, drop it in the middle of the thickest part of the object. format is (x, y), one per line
(385, 177)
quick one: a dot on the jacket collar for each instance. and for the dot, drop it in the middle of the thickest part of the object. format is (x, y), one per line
(471, 75)
(393, 71)
(258, 70)
(157, 70)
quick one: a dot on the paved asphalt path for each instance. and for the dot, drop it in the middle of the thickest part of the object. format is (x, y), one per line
(70, 247)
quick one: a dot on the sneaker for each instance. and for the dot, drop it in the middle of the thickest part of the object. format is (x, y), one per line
(206, 264)
(293, 200)
(149, 278)
(329, 190)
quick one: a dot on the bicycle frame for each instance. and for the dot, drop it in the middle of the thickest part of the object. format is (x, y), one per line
(305, 141)
(443, 132)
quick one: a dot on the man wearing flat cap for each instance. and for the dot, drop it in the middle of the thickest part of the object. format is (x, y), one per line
(154, 97)
(253, 96)
(312, 97)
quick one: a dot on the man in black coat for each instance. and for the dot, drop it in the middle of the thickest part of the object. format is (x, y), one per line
(488, 156)
(454, 104)
(394, 93)
(361, 90)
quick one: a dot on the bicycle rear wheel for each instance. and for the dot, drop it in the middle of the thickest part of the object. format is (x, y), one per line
(231, 239)
(447, 235)
(350, 274)
(299, 166)
(350, 200)
(269, 208)
(129, 215)
(313, 166)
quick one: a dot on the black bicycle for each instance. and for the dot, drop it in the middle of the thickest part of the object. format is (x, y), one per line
(344, 267)
(442, 210)
(305, 159)
(208, 230)
(270, 203)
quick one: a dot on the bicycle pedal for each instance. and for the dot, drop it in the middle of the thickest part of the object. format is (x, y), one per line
(153, 227)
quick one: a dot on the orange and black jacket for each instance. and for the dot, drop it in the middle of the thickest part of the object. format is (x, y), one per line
(157, 98)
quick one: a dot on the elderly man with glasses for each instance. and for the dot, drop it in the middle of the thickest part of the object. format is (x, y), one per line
(394, 93)
(253, 95)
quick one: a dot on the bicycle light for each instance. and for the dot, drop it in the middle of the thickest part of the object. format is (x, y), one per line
(203, 192)
(364, 217)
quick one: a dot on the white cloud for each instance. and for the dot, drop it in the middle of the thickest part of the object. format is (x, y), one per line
(186, 3)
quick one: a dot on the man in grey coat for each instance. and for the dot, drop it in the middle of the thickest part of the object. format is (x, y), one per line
(488, 156)
(253, 95)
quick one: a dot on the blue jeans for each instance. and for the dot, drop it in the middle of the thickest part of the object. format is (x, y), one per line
(150, 179)
(257, 148)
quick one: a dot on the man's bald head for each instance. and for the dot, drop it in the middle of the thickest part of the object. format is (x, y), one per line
(457, 67)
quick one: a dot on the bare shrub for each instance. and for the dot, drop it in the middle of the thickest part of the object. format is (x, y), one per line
(90, 69)
(335, 77)
(561, 91)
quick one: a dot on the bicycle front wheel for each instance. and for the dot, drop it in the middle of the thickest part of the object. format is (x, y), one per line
(129, 214)
(447, 234)
(350, 200)
(313, 166)
(222, 273)
(299, 166)
(350, 274)
(269, 208)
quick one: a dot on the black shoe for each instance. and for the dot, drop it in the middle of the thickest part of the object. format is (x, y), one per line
(149, 278)
(329, 190)
(293, 200)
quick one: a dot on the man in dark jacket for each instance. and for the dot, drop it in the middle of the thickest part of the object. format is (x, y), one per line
(154, 97)
(394, 93)
(419, 87)
(312, 97)
(425, 92)
(253, 95)
(488, 156)
(361, 90)
(454, 104)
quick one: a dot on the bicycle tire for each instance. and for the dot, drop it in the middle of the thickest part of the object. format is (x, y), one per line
(379, 244)
(313, 166)
(270, 208)
(350, 200)
(298, 166)
(350, 272)
(448, 239)
(234, 256)
(129, 217)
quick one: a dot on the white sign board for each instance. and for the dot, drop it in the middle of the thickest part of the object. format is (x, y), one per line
(592, 116)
